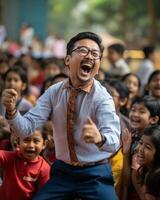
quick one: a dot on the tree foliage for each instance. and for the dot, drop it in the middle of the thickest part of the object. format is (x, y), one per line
(127, 19)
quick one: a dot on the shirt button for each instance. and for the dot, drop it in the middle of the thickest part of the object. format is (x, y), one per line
(25, 163)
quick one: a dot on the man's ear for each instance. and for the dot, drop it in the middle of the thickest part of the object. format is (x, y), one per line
(66, 60)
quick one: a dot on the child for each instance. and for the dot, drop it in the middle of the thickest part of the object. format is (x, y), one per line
(144, 112)
(115, 56)
(51, 67)
(119, 91)
(51, 80)
(133, 83)
(153, 85)
(16, 78)
(49, 151)
(24, 171)
(146, 67)
(148, 154)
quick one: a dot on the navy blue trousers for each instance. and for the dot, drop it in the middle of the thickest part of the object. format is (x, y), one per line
(88, 183)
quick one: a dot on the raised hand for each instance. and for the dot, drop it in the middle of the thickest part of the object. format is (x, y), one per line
(126, 141)
(91, 133)
(9, 99)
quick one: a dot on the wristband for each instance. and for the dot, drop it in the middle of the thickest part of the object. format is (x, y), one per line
(10, 113)
(100, 144)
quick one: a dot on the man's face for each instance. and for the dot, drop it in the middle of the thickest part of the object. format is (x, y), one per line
(82, 68)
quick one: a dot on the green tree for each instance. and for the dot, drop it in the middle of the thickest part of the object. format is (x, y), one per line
(130, 20)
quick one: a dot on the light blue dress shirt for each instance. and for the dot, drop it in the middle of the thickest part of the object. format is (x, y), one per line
(97, 104)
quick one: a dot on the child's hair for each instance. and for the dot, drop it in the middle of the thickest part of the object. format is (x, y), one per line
(22, 72)
(51, 80)
(119, 48)
(152, 182)
(150, 79)
(154, 73)
(153, 132)
(147, 50)
(150, 103)
(43, 133)
(120, 87)
(132, 74)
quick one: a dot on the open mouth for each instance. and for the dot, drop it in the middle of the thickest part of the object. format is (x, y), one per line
(157, 88)
(86, 67)
(30, 152)
(140, 158)
(135, 121)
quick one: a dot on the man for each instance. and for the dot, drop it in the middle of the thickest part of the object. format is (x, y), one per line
(85, 137)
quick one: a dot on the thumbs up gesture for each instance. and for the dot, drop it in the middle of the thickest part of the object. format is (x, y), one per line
(91, 133)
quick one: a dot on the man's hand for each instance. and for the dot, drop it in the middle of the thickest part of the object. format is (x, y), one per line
(90, 132)
(9, 99)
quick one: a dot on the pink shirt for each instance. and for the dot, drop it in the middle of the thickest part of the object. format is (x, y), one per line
(21, 178)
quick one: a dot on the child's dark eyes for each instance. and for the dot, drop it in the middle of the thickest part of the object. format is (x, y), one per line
(149, 147)
(36, 141)
(26, 140)
(142, 111)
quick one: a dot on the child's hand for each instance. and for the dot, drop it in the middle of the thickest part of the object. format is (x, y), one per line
(90, 132)
(9, 99)
(126, 141)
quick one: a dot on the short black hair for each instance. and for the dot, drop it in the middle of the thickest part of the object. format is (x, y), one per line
(153, 132)
(84, 35)
(147, 50)
(119, 48)
(51, 79)
(152, 182)
(152, 104)
(120, 87)
(22, 72)
(154, 73)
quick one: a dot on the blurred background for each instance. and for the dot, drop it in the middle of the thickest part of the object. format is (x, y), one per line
(134, 22)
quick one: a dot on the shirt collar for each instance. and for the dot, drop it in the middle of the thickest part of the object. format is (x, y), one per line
(86, 88)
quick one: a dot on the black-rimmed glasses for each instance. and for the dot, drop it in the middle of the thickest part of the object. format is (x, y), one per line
(84, 51)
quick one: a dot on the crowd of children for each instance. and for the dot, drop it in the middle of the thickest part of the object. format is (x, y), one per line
(25, 162)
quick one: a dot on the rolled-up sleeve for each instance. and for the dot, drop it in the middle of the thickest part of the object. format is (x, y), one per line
(108, 124)
(25, 125)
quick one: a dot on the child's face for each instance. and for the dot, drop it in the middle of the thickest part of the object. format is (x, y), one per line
(139, 117)
(132, 83)
(13, 81)
(116, 98)
(154, 86)
(31, 147)
(113, 56)
(146, 151)
(52, 70)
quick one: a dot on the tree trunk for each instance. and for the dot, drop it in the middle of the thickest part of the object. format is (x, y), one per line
(123, 21)
(152, 18)
(1, 21)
